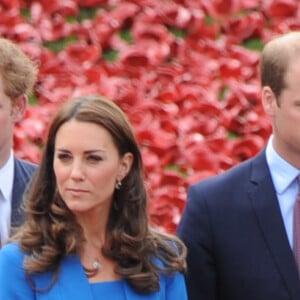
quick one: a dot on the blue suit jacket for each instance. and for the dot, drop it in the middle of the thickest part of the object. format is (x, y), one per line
(72, 282)
(23, 174)
(237, 244)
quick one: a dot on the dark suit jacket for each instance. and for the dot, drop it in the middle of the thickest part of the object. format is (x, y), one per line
(23, 174)
(237, 244)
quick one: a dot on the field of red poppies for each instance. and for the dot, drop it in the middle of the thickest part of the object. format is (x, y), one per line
(185, 72)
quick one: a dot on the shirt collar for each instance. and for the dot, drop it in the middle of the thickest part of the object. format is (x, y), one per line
(7, 177)
(282, 172)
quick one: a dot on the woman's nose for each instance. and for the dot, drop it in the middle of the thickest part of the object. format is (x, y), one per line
(77, 172)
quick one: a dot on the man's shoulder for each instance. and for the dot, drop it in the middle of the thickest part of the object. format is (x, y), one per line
(234, 176)
(24, 166)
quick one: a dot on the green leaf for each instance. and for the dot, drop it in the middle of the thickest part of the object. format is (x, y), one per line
(177, 169)
(32, 99)
(25, 12)
(209, 20)
(253, 44)
(87, 13)
(232, 135)
(110, 55)
(179, 33)
(58, 45)
(126, 36)
(223, 92)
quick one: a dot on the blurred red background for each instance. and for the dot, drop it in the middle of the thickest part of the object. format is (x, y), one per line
(185, 72)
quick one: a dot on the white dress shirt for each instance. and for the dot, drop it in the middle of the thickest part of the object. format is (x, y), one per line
(6, 185)
(284, 177)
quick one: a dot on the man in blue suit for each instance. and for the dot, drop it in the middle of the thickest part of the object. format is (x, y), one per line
(17, 78)
(238, 226)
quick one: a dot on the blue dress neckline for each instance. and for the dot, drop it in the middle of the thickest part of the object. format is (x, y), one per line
(114, 290)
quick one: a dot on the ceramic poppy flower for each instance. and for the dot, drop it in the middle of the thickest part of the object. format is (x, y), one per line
(185, 72)
(280, 8)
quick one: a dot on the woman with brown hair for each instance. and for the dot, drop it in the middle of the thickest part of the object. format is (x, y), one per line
(87, 233)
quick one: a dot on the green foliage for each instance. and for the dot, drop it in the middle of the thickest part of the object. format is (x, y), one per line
(253, 44)
(177, 169)
(25, 12)
(223, 92)
(126, 36)
(110, 55)
(58, 45)
(87, 13)
(209, 20)
(179, 33)
(232, 135)
(32, 99)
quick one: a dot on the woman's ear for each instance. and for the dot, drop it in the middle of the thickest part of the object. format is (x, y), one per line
(125, 165)
(19, 108)
(269, 101)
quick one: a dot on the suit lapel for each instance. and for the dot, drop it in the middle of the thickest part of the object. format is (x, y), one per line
(18, 189)
(23, 172)
(266, 208)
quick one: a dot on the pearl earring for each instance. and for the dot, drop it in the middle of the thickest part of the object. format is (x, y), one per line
(118, 184)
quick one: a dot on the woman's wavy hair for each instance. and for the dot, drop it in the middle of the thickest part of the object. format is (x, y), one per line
(51, 232)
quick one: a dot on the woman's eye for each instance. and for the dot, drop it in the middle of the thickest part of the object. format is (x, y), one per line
(94, 158)
(63, 156)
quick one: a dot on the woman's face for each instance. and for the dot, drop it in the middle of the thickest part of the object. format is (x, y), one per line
(87, 165)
